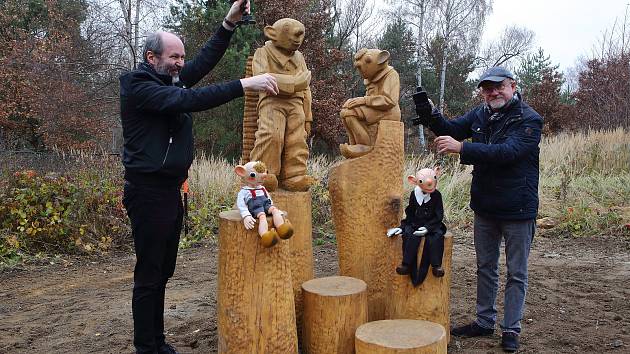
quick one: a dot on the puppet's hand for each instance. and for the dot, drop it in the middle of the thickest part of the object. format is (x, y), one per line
(249, 222)
(421, 231)
(394, 231)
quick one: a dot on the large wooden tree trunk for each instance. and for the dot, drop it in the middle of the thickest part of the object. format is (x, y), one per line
(365, 193)
(256, 312)
(428, 301)
(298, 207)
(333, 309)
(400, 336)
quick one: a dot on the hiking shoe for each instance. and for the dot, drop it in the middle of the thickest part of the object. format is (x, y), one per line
(509, 341)
(471, 330)
(167, 349)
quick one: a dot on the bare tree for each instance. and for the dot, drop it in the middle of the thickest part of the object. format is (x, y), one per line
(461, 22)
(118, 26)
(513, 43)
(614, 41)
(417, 13)
(350, 18)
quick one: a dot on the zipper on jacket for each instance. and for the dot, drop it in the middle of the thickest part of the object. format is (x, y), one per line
(170, 141)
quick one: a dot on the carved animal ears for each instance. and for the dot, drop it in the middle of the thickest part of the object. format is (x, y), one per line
(270, 32)
(240, 170)
(438, 171)
(382, 57)
(412, 179)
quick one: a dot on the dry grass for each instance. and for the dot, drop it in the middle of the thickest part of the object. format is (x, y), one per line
(587, 172)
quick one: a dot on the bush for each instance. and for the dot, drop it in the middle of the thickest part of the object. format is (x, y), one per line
(57, 214)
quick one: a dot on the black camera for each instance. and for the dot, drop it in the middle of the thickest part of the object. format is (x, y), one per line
(423, 107)
(247, 17)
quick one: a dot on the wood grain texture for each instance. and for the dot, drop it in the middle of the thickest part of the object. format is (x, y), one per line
(428, 301)
(365, 195)
(299, 211)
(400, 336)
(334, 307)
(256, 311)
(250, 115)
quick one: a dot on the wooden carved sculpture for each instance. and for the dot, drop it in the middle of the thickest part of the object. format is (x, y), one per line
(284, 121)
(362, 114)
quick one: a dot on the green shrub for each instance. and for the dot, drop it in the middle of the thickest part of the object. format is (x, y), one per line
(56, 214)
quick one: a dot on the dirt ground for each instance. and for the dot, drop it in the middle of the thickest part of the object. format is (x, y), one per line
(578, 300)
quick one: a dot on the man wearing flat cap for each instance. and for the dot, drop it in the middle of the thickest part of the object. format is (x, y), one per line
(504, 134)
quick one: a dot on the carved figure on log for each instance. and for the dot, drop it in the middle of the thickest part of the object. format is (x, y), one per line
(360, 115)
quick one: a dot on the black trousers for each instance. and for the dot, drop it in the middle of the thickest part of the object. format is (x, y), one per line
(434, 244)
(156, 215)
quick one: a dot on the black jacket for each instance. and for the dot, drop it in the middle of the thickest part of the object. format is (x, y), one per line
(157, 125)
(505, 156)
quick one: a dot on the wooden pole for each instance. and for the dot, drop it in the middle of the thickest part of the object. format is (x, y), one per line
(333, 309)
(298, 207)
(400, 337)
(256, 312)
(365, 193)
(428, 301)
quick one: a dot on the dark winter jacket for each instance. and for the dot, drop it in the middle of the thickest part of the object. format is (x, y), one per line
(157, 125)
(504, 152)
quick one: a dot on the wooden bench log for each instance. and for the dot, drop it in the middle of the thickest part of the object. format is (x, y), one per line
(256, 311)
(298, 207)
(400, 337)
(333, 309)
(365, 195)
(428, 301)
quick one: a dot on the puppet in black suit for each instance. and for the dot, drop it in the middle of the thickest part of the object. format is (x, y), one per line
(423, 218)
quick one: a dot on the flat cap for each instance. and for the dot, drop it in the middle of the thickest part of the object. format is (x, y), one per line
(495, 74)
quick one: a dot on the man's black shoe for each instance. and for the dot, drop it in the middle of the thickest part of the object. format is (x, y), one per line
(167, 349)
(402, 270)
(509, 342)
(471, 330)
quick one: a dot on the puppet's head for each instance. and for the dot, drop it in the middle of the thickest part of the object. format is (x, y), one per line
(426, 179)
(286, 34)
(370, 62)
(252, 174)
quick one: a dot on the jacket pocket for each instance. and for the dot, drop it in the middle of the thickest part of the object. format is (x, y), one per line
(499, 196)
(478, 133)
(509, 195)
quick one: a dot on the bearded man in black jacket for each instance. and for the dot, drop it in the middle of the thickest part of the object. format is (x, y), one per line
(155, 102)
(504, 135)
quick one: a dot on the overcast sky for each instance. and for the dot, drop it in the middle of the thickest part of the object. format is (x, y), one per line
(564, 29)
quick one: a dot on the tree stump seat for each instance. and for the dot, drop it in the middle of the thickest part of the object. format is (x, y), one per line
(333, 309)
(400, 336)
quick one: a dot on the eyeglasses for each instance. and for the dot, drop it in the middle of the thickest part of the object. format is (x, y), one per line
(489, 88)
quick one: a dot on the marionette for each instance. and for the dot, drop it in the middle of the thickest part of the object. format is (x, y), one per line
(423, 218)
(254, 204)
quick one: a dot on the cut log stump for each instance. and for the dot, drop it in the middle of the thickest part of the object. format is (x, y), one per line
(400, 336)
(256, 310)
(333, 309)
(429, 301)
(298, 207)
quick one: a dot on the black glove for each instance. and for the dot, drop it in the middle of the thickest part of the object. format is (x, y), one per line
(423, 107)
